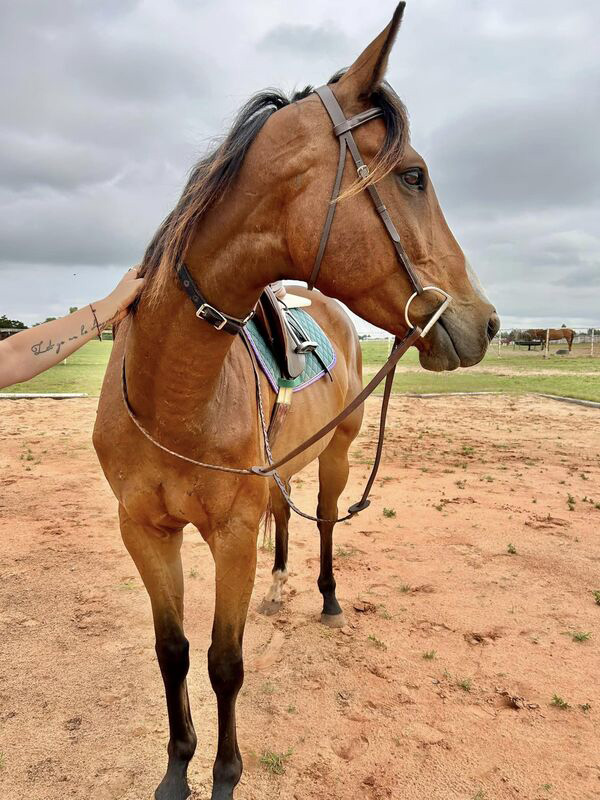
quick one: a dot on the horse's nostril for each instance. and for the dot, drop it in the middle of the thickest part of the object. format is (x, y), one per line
(493, 326)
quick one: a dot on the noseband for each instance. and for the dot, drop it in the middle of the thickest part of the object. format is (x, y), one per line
(342, 129)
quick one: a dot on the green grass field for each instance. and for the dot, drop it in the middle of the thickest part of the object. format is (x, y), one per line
(83, 372)
(515, 372)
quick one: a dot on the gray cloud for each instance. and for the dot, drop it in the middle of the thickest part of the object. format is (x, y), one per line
(327, 40)
(107, 105)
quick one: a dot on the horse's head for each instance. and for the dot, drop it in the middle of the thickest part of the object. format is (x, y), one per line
(360, 266)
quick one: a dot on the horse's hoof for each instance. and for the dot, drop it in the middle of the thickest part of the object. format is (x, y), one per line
(270, 607)
(334, 620)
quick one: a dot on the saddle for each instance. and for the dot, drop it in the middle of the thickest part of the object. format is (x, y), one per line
(284, 334)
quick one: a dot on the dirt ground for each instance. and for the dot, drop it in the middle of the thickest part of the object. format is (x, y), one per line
(442, 684)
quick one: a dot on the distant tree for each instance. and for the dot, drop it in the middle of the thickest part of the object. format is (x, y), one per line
(48, 319)
(5, 322)
(563, 325)
(72, 309)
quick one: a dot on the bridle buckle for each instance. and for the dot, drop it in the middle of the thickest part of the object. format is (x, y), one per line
(362, 172)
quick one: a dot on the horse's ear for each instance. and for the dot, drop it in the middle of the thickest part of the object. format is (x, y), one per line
(367, 72)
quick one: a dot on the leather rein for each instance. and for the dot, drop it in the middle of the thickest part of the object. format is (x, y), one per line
(342, 129)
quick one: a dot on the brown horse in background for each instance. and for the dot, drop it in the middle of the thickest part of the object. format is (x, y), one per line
(555, 335)
(252, 213)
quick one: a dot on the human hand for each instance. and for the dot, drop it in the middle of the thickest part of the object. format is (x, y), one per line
(124, 293)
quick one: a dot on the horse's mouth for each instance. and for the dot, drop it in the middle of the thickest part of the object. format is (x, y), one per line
(446, 348)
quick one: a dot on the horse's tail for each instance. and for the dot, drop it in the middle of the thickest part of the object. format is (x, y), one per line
(267, 524)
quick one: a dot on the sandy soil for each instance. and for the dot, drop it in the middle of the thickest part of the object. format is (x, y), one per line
(360, 712)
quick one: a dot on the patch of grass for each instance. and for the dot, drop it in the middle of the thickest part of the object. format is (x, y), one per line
(291, 709)
(580, 636)
(570, 502)
(429, 655)
(389, 513)
(344, 552)
(377, 642)
(460, 484)
(597, 597)
(547, 787)
(275, 762)
(193, 573)
(481, 795)
(466, 684)
(585, 707)
(267, 688)
(558, 702)
(128, 585)
(511, 549)
(404, 588)
(1, 761)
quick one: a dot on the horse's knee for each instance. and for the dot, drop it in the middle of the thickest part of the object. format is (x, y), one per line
(225, 669)
(173, 653)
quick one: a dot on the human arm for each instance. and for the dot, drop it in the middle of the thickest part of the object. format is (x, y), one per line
(26, 354)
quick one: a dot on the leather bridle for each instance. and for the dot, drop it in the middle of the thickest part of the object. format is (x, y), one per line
(342, 129)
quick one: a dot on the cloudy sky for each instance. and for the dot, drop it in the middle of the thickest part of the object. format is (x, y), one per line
(107, 103)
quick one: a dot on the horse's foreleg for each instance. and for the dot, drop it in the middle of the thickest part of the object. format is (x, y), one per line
(157, 556)
(234, 552)
(333, 476)
(281, 514)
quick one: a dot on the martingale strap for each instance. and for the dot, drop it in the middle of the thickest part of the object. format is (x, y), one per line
(342, 128)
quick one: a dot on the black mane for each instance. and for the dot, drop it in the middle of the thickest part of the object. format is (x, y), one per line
(212, 176)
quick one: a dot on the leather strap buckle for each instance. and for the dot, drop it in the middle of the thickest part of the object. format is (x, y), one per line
(212, 315)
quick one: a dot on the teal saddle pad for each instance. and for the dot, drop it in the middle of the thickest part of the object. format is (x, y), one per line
(315, 367)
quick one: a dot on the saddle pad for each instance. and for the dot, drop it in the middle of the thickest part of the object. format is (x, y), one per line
(314, 368)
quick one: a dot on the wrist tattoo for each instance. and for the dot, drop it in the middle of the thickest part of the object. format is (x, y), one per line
(96, 326)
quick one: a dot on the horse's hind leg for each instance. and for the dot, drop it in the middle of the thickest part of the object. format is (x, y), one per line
(157, 556)
(234, 552)
(281, 514)
(333, 476)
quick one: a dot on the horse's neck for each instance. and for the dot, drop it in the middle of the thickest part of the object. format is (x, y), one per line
(179, 362)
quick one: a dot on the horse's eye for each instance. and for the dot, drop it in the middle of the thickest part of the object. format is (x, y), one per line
(413, 178)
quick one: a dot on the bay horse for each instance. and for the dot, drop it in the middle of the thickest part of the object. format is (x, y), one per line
(555, 335)
(252, 213)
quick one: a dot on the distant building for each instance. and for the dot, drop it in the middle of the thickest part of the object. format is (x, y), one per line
(6, 332)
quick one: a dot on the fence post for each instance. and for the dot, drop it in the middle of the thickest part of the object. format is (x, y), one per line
(547, 343)
(499, 342)
(592, 342)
